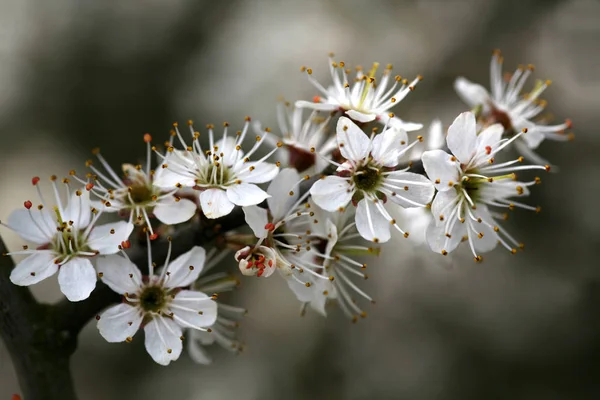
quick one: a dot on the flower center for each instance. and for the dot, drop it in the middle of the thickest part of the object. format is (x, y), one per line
(367, 178)
(70, 242)
(153, 299)
(216, 174)
(140, 194)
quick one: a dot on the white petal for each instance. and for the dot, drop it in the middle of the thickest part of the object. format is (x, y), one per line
(105, 242)
(322, 286)
(462, 137)
(214, 203)
(77, 278)
(227, 148)
(40, 264)
(186, 268)
(471, 93)
(303, 293)
(370, 223)
(195, 348)
(316, 106)
(193, 309)
(397, 123)
(489, 240)
(436, 139)
(167, 178)
(120, 274)
(438, 241)
(388, 145)
(261, 173)
(246, 194)
(79, 210)
(439, 166)
(37, 227)
(331, 193)
(279, 190)
(360, 116)
(442, 206)
(354, 144)
(489, 138)
(163, 340)
(414, 190)
(170, 211)
(134, 174)
(257, 218)
(119, 323)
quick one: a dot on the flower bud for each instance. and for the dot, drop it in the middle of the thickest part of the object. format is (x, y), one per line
(260, 261)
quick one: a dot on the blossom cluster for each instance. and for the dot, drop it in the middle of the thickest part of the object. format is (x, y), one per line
(348, 166)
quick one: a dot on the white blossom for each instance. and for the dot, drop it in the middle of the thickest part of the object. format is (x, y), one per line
(506, 104)
(162, 303)
(136, 194)
(368, 179)
(68, 240)
(223, 174)
(468, 183)
(366, 98)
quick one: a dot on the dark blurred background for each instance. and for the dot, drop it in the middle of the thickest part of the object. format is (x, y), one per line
(79, 74)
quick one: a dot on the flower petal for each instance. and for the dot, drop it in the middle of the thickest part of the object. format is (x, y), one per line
(105, 241)
(120, 274)
(171, 211)
(119, 323)
(441, 170)
(79, 210)
(489, 139)
(35, 268)
(33, 225)
(257, 218)
(489, 239)
(436, 138)
(331, 193)
(316, 106)
(370, 223)
(193, 309)
(214, 203)
(279, 190)
(246, 194)
(471, 93)
(163, 340)
(77, 278)
(361, 116)
(388, 145)
(258, 172)
(442, 206)
(462, 137)
(195, 347)
(168, 178)
(397, 123)
(439, 242)
(414, 190)
(353, 143)
(186, 268)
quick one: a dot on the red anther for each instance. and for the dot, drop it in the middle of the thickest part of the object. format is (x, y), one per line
(15, 397)
(569, 123)
(250, 264)
(261, 259)
(260, 272)
(35, 180)
(147, 138)
(270, 227)
(28, 204)
(270, 263)
(316, 99)
(488, 150)
(89, 186)
(126, 244)
(154, 236)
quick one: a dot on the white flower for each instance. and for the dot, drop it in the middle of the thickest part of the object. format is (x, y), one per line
(160, 303)
(224, 176)
(136, 194)
(68, 240)
(468, 182)
(306, 141)
(223, 331)
(506, 105)
(368, 175)
(366, 99)
(332, 257)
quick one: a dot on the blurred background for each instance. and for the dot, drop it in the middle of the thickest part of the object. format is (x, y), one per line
(79, 74)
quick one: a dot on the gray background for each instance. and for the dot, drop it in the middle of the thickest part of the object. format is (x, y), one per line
(79, 74)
